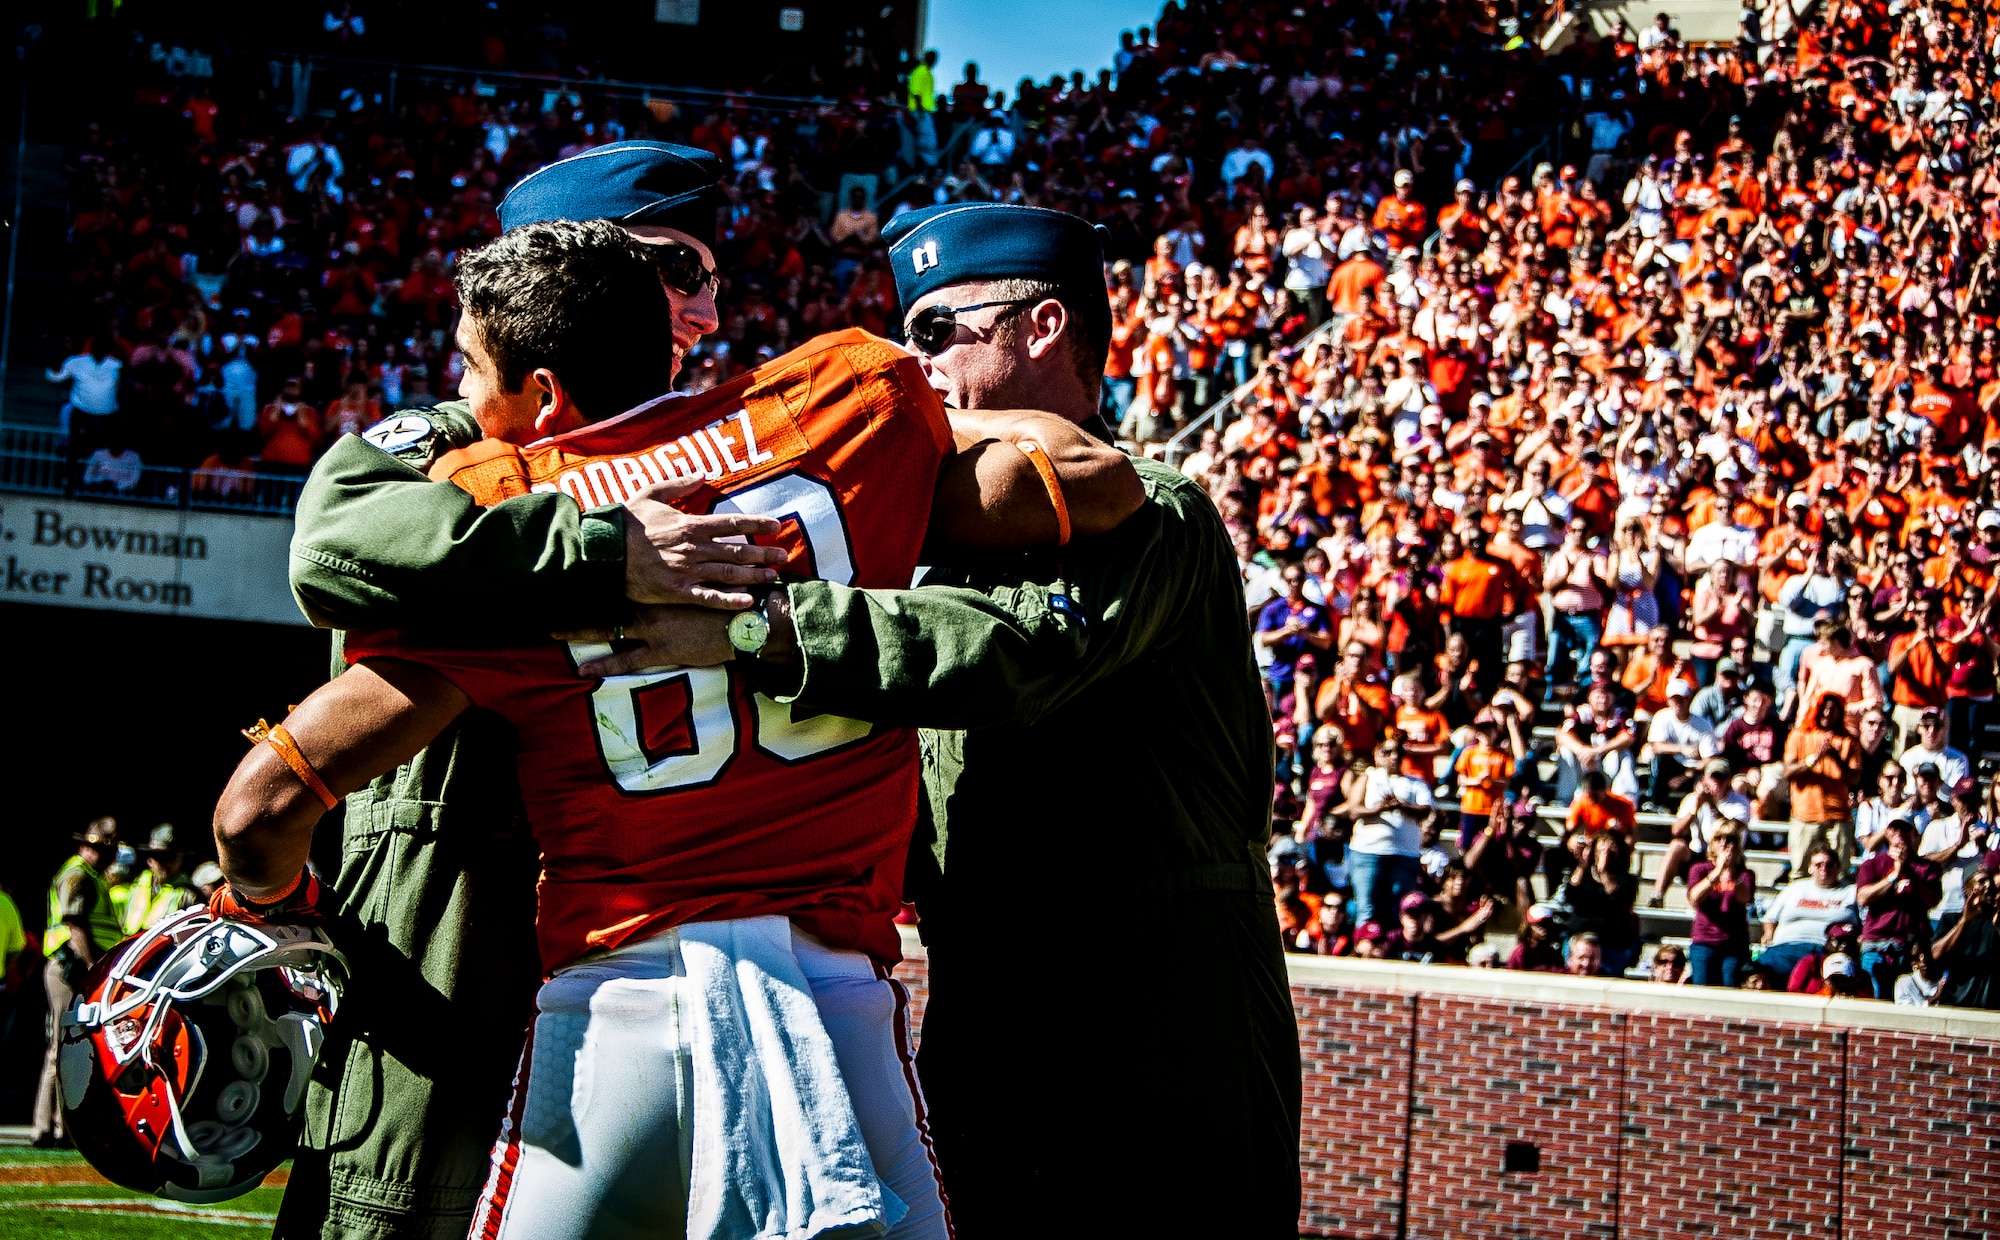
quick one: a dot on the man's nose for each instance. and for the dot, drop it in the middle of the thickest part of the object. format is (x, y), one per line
(699, 312)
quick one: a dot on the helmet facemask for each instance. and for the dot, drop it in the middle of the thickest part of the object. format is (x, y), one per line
(185, 1059)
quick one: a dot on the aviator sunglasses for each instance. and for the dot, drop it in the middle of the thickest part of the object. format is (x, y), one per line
(682, 270)
(932, 328)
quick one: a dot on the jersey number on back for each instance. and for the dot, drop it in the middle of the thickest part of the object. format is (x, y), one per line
(711, 721)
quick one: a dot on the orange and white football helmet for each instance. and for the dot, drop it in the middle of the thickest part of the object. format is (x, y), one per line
(184, 1059)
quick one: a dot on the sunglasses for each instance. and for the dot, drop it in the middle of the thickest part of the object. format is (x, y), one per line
(682, 270)
(931, 329)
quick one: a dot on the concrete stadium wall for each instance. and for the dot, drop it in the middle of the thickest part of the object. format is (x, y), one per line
(1653, 1111)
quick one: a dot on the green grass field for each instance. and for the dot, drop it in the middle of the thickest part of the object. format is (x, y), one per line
(56, 1196)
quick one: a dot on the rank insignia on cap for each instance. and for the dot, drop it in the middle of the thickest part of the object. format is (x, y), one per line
(924, 257)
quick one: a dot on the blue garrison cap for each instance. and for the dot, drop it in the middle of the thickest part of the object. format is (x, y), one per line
(627, 182)
(966, 241)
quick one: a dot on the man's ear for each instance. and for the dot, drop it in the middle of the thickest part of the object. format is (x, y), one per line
(557, 410)
(1047, 322)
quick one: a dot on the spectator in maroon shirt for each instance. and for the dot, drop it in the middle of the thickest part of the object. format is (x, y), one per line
(1720, 891)
(1537, 950)
(1843, 938)
(1374, 941)
(1896, 889)
(1418, 923)
(1505, 856)
(1330, 763)
(1754, 739)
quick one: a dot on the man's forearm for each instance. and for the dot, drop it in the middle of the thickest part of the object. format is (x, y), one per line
(931, 657)
(363, 724)
(379, 545)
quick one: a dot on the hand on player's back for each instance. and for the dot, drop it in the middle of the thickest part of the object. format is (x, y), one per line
(657, 637)
(676, 557)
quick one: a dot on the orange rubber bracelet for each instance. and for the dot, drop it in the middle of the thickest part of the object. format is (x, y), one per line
(1039, 458)
(277, 896)
(279, 739)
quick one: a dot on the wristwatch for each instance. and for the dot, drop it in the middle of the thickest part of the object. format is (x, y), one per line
(749, 630)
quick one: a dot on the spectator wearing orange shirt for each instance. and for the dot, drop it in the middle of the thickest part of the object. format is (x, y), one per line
(290, 430)
(1352, 286)
(1426, 733)
(228, 474)
(1823, 766)
(1840, 670)
(1461, 220)
(1478, 595)
(1400, 218)
(1596, 808)
(1483, 771)
(353, 413)
(1920, 664)
(1354, 700)
(1948, 408)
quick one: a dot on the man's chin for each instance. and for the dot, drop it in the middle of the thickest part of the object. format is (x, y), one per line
(947, 391)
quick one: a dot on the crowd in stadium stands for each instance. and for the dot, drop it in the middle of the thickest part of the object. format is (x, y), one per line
(1689, 451)
(1611, 430)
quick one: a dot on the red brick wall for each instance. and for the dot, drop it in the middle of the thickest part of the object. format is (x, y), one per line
(1355, 1045)
(1648, 1123)
(1732, 1129)
(1923, 1136)
(1490, 1072)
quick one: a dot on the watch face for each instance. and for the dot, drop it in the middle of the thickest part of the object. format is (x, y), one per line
(748, 631)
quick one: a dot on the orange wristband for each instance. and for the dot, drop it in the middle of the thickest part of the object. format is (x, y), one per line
(1039, 458)
(284, 893)
(279, 739)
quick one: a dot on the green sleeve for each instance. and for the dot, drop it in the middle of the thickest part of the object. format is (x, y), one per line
(377, 544)
(954, 658)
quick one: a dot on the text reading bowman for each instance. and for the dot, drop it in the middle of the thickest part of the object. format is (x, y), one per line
(52, 531)
(99, 581)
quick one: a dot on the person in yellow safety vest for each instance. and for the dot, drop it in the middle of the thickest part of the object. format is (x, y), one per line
(162, 888)
(13, 945)
(82, 925)
(118, 877)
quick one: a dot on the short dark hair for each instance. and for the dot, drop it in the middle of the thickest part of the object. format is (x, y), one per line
(582, 299)
(1089, 342)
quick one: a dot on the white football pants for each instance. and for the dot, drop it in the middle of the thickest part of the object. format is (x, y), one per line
(597, 1143)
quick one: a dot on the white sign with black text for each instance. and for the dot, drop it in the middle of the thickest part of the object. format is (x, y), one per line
(163, 561)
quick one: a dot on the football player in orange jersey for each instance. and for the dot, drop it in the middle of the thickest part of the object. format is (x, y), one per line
(665, 864)
(1028, 665)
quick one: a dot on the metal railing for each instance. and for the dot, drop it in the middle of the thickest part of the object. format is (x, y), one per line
(1176, 447)
(37, 462)
(946, 158)
(338, 71)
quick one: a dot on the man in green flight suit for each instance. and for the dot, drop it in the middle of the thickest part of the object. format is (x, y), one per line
(1102, 692)
(83, 923)
(1045, 674)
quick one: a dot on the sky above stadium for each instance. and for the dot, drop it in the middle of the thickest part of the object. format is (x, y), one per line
(1012, 39)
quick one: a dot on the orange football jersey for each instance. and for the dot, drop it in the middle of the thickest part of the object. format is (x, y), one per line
(683, 795)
